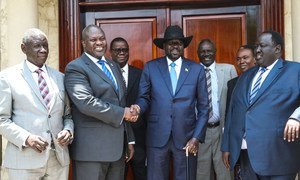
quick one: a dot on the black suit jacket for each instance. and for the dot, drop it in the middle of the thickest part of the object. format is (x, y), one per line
(230, 86)
(139, 127)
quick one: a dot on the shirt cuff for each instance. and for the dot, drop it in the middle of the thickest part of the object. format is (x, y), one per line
(132, 142)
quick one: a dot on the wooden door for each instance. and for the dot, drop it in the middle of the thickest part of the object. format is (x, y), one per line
(138, 27)
(138, 32)
(227, 31)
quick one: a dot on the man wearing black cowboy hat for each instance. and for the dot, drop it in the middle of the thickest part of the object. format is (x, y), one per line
(170, 89)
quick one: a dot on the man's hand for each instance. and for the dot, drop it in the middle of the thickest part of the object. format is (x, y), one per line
(225, 158)
(193, 145)
(130, 152)
(37, 143)
(64, 137)
(291, 130)
(132, 113)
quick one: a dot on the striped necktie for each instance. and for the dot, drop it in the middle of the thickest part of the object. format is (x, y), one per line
(209, 91)
(43, 87)
(173, 76)
(107, 72)
(257, 85)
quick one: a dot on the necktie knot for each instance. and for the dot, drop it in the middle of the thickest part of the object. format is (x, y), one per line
(39, 71)
(262, 69)
(207, 70)
(173, 65)
(101, 62)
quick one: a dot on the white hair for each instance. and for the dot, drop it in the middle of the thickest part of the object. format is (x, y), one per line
(32, 32)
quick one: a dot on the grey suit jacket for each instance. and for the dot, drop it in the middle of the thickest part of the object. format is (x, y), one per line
(23, 112)
(97, 110)
(225, 72)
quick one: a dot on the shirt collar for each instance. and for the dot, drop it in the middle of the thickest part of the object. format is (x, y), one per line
(125, 68)
(33, 67)
(271, 66)
(95, 60)
(178, 61)
(212, 67)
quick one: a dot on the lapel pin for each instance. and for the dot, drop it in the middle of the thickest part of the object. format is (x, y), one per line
(186, 70)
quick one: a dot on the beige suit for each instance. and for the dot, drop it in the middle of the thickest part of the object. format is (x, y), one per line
(209, 154)
(23, 112)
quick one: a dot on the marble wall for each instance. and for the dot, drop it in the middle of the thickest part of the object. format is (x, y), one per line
(48, 22)
(16, 16)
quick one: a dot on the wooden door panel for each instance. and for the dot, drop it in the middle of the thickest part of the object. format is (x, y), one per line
(227, 31)
(139, 34)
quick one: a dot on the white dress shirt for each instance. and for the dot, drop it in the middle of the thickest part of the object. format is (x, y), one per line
(215, 98)
(125, 73)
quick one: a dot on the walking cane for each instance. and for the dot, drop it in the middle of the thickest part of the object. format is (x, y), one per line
(187, 163)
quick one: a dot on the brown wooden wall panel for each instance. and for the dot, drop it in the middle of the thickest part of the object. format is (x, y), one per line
(227, 31)
(139, 34)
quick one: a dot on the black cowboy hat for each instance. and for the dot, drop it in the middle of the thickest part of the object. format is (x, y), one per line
(172, 32)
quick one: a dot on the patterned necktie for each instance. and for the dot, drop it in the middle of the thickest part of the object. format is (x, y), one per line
(209, 91)
(123, 75)
(173, 76)
(44, 89)
(107, 72)
(257, 85)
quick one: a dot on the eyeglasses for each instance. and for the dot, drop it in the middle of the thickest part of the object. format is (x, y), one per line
(125, 50)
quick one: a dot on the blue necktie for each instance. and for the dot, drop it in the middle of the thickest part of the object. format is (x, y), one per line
(107, 72)
(257, 85)
(173, 76)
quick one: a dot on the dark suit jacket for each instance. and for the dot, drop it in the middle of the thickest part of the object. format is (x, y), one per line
(230, 86)
(173, 113)
(139, 127)
(264, 120)
(98, 110)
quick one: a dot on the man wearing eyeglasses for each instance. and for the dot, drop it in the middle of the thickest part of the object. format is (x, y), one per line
(119, 51)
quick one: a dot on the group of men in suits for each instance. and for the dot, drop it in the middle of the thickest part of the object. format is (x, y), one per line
(109, 97)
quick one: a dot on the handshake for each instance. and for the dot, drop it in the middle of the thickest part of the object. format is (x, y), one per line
(132, 114)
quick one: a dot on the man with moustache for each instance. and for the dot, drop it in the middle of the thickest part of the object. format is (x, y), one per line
(217, 76)
(96, 88)
(119, 50)
(170, 89)
(263, 116)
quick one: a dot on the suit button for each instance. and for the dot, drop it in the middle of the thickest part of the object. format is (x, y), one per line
(49, 116)
(48, 131)
(171, 116)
